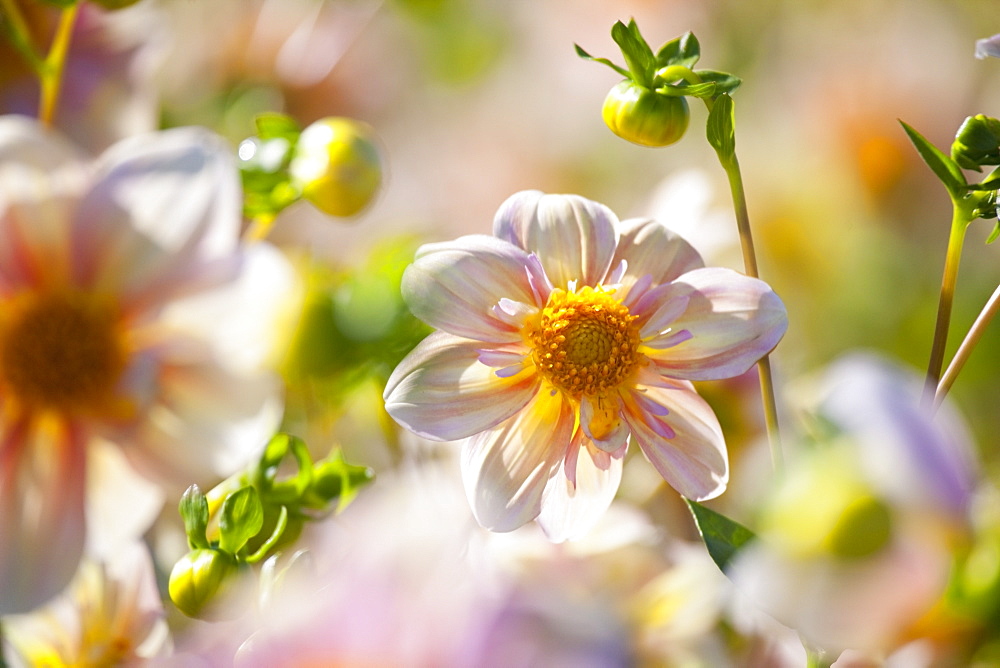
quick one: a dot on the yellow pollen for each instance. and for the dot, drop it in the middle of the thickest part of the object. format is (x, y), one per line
(61, 350)
(584, 342)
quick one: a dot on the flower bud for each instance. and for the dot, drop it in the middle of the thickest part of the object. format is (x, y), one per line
(197, 578)
(644, 117)
(337, 166)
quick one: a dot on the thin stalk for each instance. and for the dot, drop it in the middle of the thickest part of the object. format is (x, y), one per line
(3, 661)
(55, 63)
(965, 349)
(260, 226)
(20, 35)
(959, 222)
(732, 167)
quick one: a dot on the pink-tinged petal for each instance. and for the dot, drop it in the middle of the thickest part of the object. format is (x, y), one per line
(733, 321)
(653, 249)
(41, 179)
(600, 419)
(453, 286)
(204, 421)
(505, 469)
(573, 237)
(163, 207)
(42, 525)
(693, 460)
(570, 510)
(442, 391)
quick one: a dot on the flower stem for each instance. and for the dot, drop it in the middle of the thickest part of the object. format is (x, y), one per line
(959, 221)
(965, 349)
(51, 73)
(260, 226)
(17, 30)
(3, 661)
(732, 167)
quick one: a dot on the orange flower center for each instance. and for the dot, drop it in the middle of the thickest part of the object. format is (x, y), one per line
(61, 350)
(584, 342)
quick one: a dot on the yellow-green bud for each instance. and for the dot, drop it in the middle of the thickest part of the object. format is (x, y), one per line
(337, 166)
(644, 117)
(197, 578)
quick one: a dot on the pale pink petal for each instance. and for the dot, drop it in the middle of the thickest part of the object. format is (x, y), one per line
(453, 286)
(652, 249)
(442, 391)
(600, 419)
(163, 210)
(505, 469)
(204, 421)
(570, 510)
(42, 525)
(693, 459)
(41, 180)
(241, 319)
(733, 321)
(573, 237)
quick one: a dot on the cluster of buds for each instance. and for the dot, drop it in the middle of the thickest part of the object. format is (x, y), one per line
(253, 514)
(649, 107)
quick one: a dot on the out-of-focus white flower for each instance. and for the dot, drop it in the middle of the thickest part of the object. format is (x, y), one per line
(111, 615)
(131, 317)
(856, 542)
(988, 47)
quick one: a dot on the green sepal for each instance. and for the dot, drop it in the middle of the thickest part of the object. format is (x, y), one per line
(946, 169)
(721, 128)
(724, 81)
(694, 90)
(194, 512)
(279, 531)
(604, 61)
(977, 143)
(336, 479)
(995, 234)
(241, 519)
(723, 537)
(265, 476)
(274, 125)
(638, 55)
(683, 50)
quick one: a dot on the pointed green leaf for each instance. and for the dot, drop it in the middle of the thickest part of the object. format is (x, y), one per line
(994, 234)
(241, 519)
(724, 81)
(604, 61)
(946, 169)
(721, 129)
(723, 537)
(194, 512)
(693, 90)
(638, 55)
(683, 50)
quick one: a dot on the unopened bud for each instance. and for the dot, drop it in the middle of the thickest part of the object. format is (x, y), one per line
(645, 117)
(197, 578)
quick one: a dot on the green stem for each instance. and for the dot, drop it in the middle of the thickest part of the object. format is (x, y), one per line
(959, 222)
(732, 167)
(51, 73)
(816, 659)
(965, 349)
(20, 36)
(3, 661)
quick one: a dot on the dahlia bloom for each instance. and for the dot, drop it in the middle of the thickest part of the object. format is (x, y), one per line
(562, 335)
(130, 317)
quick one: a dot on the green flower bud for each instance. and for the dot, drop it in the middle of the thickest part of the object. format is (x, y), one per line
(645, 117)
(337, 165)
(197, 578)
(977, 143)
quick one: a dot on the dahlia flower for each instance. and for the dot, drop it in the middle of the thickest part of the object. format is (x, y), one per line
(559, 337)
(130, 317)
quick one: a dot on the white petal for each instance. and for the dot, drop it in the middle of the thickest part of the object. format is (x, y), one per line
(652, 249)
(505, 469)
(573, 237)
(569, 511)
(693, 461)
(454, 286)
(733, 320)
(442, 391)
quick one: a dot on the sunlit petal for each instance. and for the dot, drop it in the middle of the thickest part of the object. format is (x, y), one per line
(652, 249)
(570, 510)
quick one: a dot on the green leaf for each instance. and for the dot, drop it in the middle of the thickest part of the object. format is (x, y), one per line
(194, 512)
(946, 169)
(694, 90)
(241, 519)
(336, 479)
(977, 143)
(604, 61)
(723, 537)
(272, 125)
(683, 50)
(724, 81)
(721, 129)
(639, 57)
(994, 234)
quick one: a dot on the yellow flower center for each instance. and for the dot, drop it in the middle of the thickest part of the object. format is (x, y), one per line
(584, 342)
(61, 350)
